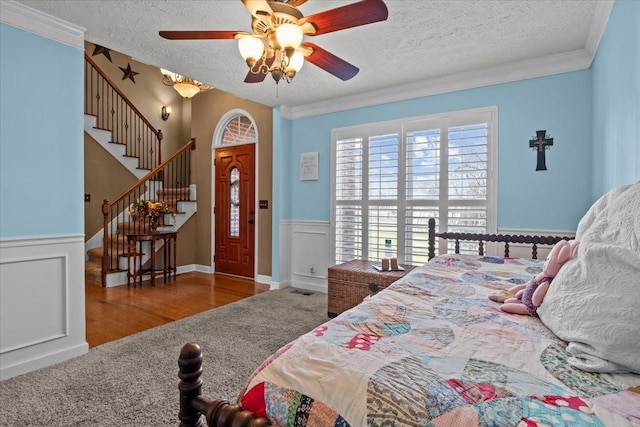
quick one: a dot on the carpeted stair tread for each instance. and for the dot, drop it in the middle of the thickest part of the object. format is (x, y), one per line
(96, 253)
(93, 272)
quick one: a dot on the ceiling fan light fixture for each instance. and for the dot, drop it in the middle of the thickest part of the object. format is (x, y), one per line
(170, 75)
(186, 87)
(277, 74)
(289, 37)
(186, 90)
(251, 49)
(296, 62)
(278, 28)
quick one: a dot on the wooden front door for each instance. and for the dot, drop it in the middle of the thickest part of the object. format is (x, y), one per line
(234, 210)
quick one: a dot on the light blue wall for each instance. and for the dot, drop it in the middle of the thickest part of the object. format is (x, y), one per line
(281, 203)
(554, 199)
(41, 136)
(616, 96)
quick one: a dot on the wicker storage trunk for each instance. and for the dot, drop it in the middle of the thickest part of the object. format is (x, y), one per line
(351, 282)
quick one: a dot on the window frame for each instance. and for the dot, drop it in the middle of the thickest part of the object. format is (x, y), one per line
(402, 127)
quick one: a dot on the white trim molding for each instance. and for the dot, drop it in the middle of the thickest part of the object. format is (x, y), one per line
(34, 21)
(598, 25)
(304, 255)
(42, 307)
(263, 279)
(553, 64)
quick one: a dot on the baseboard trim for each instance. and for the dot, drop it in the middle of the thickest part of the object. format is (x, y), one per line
(280, 285)
(265, 280)
(42, 361)
(260, 278)
(310, 286)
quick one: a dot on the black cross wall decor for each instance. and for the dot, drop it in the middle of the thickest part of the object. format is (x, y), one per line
(541, 143)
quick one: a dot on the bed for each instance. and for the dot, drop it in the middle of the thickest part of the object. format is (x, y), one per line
(433, 350)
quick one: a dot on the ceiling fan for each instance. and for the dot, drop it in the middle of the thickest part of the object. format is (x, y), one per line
(276, 47)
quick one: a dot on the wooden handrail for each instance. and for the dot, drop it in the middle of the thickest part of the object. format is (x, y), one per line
(156, 132)
(191, 145)
(115, 87)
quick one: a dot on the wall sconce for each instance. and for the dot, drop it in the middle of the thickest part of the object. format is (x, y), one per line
(166, 112)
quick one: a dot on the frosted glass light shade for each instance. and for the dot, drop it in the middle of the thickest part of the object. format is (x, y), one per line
(289, 36)
(186, 90)
(250, 48)
(296, 61)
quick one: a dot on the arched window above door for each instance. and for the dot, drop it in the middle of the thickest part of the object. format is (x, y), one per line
(239, 129)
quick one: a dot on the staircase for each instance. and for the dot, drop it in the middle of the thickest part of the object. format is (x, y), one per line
(181, 200)
(118, 126)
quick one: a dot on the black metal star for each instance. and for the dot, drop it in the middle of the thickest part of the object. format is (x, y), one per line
(101, 50)
(128, 73)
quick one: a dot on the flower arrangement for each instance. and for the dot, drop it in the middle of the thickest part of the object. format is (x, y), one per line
(141, 209)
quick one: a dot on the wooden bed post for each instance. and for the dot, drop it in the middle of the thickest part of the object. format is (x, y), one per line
(190, 386)
(218, 413)
(432, 238)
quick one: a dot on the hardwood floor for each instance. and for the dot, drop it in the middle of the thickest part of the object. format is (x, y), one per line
(113, 313)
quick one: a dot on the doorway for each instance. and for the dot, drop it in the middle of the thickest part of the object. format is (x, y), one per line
(235, 211)
(234, 186)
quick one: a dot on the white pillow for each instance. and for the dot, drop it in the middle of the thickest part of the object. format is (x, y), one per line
(594, 301)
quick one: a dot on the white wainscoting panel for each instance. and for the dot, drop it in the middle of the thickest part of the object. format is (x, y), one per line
(304, 254)
(42, 308)
(284, 257)
(24, 288)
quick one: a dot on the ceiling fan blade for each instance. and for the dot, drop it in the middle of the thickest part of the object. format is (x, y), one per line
(349, 16)
(258, 77)
(200, 35)
(259, 9)
(329, 62)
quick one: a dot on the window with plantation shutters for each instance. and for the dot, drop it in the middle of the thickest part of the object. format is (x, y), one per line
(390, 178)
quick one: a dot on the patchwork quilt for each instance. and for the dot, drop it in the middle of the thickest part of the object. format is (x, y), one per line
(433, 350)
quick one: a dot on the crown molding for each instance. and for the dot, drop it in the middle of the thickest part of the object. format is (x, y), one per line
(539, 67)
(598, 25)
(31, 20)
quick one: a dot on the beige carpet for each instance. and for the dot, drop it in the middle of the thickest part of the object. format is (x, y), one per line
(133, 381)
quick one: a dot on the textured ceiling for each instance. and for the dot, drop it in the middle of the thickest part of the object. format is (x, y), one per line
(421, 41)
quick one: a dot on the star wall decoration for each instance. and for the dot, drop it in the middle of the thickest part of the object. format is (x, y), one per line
(101, 50)
(128, 73)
